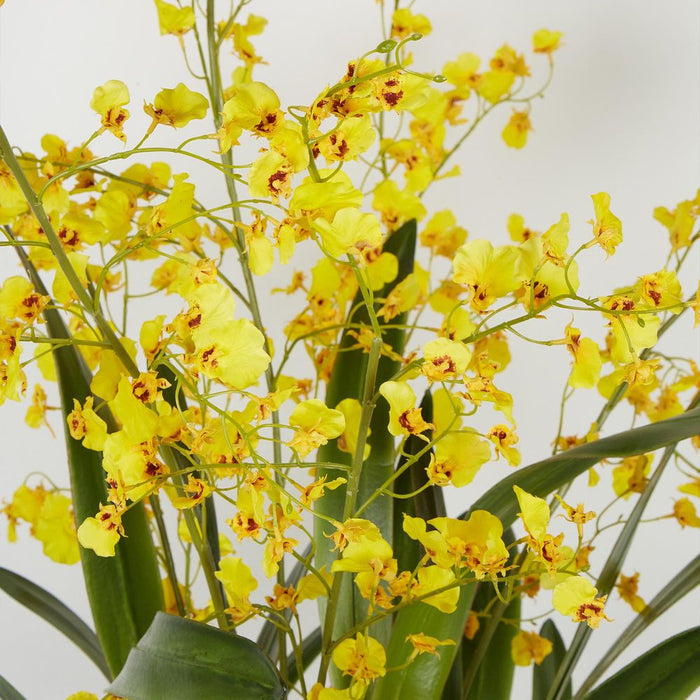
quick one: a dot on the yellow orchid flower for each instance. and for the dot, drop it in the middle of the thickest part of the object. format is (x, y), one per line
(108, 101)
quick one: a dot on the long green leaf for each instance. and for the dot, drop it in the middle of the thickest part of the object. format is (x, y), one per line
(669, 671)
(545, 476)
(8, 691)
(424, 677)
(347, 379)
(540, 479)
(684, 582)
(611, 570)
(51, 609)
(486, 659)
(180, 659)
(544, 674)
(124, 591)
(428, 504)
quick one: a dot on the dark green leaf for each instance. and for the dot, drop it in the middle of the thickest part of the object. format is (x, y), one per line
(8, 691)
(679, 585)
(180, 659)
(541, 479)
(426, 676)
(347, 381)
(124, 591)
(544, 674)
(51, 609)
(545, 476)
(428, 504)
(669, 671)
(486, 659)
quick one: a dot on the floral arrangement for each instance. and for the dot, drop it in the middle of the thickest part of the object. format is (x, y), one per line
(227, 479)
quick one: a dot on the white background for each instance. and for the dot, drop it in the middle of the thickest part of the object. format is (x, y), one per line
(621, 116)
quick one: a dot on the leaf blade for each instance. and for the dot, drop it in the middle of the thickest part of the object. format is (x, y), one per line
(56, 613)
(180, 659)
(669, 671)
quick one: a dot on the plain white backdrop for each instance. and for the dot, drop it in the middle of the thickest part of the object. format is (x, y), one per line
(621, 115)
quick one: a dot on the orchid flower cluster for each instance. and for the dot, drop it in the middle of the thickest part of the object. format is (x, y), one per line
(320, 442)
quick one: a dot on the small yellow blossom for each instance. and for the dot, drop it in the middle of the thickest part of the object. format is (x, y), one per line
(545, 41)
(526, 647)
(404, 23)
(315, 424)
(607, 228)
(174, 20)
(423, 644)
(176, 107)
(515, 132)
(404, 418)
(684, 512)
(472, 625)
(102, 532)
(627, 587)
(504, 439)
(108, 101)
(362, 658)
(576, 596)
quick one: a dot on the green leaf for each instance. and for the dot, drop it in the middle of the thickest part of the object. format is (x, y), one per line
(347, 379)
(180, 659)
(425, 677)
(8, 691)
(669, 671)
(539, 479)
(544, 674)
(124, 591)
(51, 609)
(428, 504)
(611, 570)
(682, 583)
(549, 474)
(486, 659)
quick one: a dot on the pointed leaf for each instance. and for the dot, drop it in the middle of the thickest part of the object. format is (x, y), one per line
(124, 591)
(51, 609)
(8, 691)
(669, 671)
(426, 676)
(486, 659)
(428, 504)
(545, 476)
(347, 381)
(180, 659)
(541, 479)
(544, 674)
(684, 582)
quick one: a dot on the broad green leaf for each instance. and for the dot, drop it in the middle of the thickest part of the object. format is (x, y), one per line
(429, 503)
(609, 573)
(545, 476)
(486, 659)
(494, 675)
(347, 381)
(544, 674)
(426, 676)
(684, 582)
(669, 671)
(8, 691)
(180, 659)
(51, 609)
(541, 479)
(124, 591)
